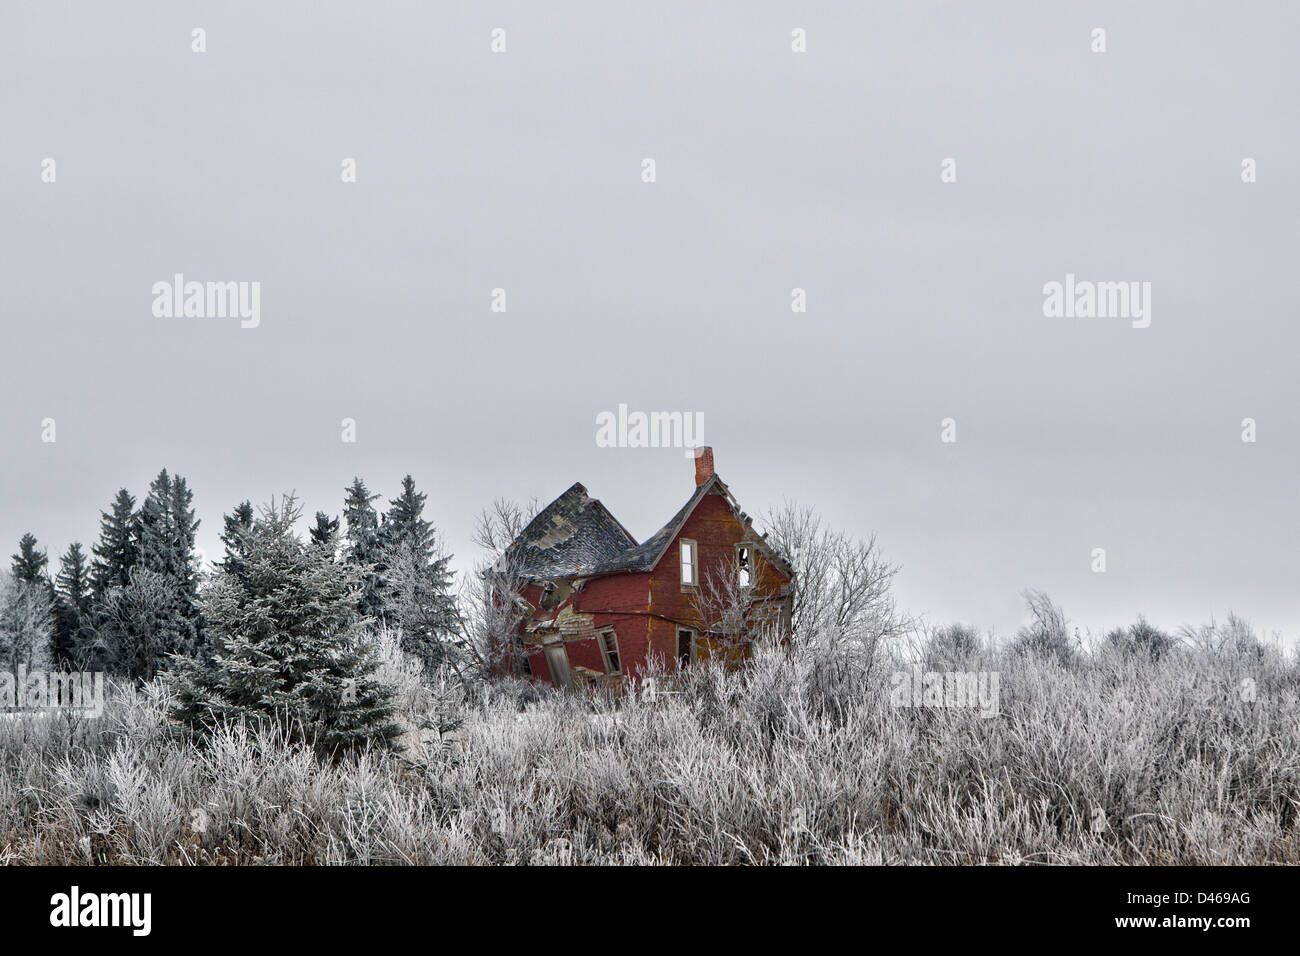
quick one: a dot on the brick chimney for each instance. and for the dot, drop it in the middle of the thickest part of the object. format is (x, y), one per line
(703, 465)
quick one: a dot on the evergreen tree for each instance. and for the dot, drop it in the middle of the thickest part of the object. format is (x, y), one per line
(416, 589)
(363, 547)
(238, 527)
(116, 553)
(73, 632)
(287, 644)
(166, 528)
(184, 531)
(155, 531)
(31, 575)
(30, 561)
(325, 532)
(404, 522)
(146, 581)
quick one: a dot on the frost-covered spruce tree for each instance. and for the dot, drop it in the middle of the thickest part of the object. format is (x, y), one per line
(286, 642)
(117, 551)
(165, 527)
(30, 562)
(325, 531)
(73, 630)
(237, 526)
(363, 546)
(417, 580)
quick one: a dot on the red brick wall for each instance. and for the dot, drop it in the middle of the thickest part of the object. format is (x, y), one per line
(716, 531)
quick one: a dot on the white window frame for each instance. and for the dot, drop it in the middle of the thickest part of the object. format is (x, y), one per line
(753, 565)
(688, 556)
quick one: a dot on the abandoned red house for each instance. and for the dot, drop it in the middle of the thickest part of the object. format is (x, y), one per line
(595, 605)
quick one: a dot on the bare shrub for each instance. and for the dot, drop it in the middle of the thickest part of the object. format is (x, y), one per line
(26, 623)
(491, 609)
(1047, 635)
(1234, 637)
(1141, 639)
(842, 587)
(951, 644)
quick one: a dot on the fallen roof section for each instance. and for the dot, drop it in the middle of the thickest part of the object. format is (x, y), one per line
(572, 535)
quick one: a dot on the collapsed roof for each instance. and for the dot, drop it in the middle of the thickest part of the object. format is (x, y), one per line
(572, 535)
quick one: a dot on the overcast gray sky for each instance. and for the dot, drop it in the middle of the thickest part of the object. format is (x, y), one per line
(775, 170)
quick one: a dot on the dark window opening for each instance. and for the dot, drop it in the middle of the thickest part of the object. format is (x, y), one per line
(685, 647)
(609, 646)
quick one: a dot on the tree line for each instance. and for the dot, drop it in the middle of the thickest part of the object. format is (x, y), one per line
(273, 626)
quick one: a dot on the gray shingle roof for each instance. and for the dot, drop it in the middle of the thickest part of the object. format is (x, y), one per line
(572, 535)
